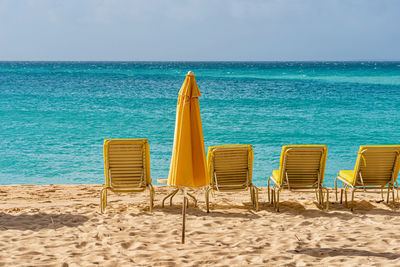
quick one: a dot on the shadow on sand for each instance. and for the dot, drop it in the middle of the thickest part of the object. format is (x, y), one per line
(38, 221)
(246, 210)
(332, 252)
(338, 210)
(216, 210)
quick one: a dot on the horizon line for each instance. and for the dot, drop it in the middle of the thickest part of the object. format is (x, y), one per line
(205, 61)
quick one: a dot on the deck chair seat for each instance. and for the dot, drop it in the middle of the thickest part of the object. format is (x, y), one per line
(377, 167)
(348, 175)
(230, 169)
(302, 167)
(126, 168)
(275, 175)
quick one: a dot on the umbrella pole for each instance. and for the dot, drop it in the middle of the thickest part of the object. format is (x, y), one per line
(184, 204)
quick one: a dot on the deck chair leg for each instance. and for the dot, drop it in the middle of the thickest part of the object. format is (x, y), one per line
(255, 197)
(352, 199)
(257, 207)
(207, 195)
(336, 193)
(151, 194)
(327, 200)
(316, 195)
(251, 190)
(151, 201)
(273, 199)
(321, 197)
(392, 191)
(345, 198)
(105, 198)
(341, 195)
(393, 196)
(269, 196)
(102, 200)
(276, 199)
(382, 194)
(387, 198)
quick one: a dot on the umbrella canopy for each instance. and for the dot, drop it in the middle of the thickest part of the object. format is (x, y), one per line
(188, 163)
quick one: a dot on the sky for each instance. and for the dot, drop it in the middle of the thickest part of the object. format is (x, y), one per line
(203, 30)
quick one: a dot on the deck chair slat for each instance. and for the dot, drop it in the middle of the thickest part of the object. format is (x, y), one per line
(232, 172)
(231, 179)
(240, 174)
(127, 172)
(224, 160)
(127, 184)
(126, 175)
(301, 167)
(133, 152)
(230, 168)
(302, 164)
(134, 164)
(128, 161)
(126, 181)
(376, 167)
(228, 178)
(123, 187)
(126, 168)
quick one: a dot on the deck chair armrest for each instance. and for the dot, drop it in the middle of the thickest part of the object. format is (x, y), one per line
(344, 181)
(275, 182)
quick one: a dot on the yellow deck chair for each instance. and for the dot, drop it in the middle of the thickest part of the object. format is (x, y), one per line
(126, 168)
(302, 167)
(376, 167)
(230, 168)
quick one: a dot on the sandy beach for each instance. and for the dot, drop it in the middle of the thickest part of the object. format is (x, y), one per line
(60, 225)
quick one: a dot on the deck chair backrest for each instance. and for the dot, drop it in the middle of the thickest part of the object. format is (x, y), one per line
(377, 165)
(127, 163)
(302, 165)
(230, 167)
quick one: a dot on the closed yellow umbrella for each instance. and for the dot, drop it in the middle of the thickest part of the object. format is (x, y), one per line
(188, 162)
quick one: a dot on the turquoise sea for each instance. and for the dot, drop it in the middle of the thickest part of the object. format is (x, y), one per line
(55, 115)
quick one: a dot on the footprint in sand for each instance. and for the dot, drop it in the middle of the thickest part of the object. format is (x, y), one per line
(126, 245)
(81, 245)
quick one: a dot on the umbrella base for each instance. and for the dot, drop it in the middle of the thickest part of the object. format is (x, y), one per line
(173, 193)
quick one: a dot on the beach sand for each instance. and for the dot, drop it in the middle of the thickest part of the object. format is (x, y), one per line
(60, 225)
